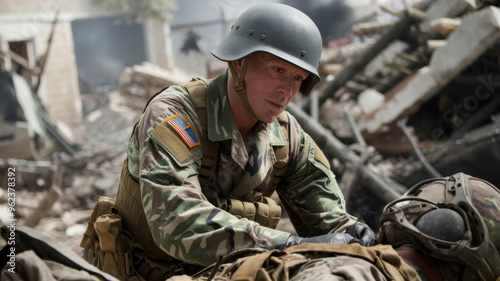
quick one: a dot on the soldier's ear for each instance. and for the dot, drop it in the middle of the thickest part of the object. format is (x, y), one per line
(237, 65)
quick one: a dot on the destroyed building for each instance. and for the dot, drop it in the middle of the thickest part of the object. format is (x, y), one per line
(61, 128)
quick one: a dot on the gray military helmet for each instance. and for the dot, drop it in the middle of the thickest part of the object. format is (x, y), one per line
(277, 29)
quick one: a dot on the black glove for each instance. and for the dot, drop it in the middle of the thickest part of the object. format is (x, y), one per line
(332, 238)
(363, 232)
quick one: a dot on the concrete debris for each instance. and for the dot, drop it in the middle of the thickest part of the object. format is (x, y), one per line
(106, 182)
(139, 83)
(447, 9)
(444, 26)
(16, 140)
(76, 230)
(46, 203)
(371, 28)
(369, 100)
(477, 33)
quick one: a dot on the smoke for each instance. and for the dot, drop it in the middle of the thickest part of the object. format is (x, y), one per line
(334, 18)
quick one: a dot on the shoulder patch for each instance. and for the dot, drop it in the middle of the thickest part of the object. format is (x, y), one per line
(183, 128)
(178, 138)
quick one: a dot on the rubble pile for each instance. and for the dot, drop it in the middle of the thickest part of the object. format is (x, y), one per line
(57, 193)
(140, 82)
(422, 93)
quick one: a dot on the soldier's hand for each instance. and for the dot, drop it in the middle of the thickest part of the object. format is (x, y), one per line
(363, 232)
(331, 238)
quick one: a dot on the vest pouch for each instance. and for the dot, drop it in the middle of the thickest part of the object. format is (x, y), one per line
(268, 213)
(112, 254)
(105, 205)
(264, 211)
(240, 209)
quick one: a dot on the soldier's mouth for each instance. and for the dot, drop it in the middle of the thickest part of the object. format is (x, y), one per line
(276, 106)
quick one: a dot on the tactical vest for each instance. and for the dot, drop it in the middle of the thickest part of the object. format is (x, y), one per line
(263, 209)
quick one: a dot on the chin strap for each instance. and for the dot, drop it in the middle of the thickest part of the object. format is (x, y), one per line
(239, 86)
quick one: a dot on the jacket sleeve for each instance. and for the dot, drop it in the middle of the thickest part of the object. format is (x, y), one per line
(310, 193)
(183, 223)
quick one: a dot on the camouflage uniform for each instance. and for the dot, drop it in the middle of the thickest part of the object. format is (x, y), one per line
(183, 216)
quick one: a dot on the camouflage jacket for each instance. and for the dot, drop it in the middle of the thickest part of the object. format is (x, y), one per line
(183, 221)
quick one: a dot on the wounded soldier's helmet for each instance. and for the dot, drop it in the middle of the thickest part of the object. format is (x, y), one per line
(455, 219)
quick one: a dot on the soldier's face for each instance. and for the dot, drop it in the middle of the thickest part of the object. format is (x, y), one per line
(271, 83)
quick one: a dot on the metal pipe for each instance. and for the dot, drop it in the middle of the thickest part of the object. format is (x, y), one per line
(352, 123)
(428, 167)
(315, 105)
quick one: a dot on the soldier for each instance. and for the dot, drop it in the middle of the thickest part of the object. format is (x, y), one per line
(205, 157)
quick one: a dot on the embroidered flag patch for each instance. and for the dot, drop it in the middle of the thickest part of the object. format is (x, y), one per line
(183, 128)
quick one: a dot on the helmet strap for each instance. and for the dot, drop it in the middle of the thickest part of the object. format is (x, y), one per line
(239, 85)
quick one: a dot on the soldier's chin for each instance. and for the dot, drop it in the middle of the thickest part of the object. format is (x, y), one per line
(269, 119)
